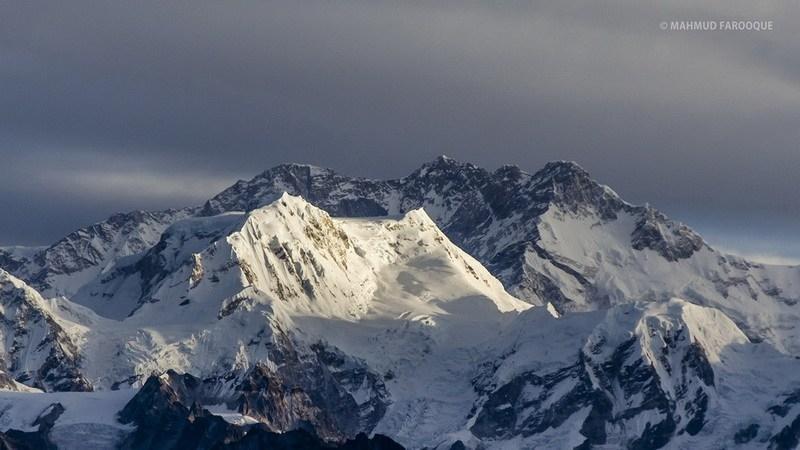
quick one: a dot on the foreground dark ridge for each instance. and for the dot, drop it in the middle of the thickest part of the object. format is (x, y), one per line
(167, 413)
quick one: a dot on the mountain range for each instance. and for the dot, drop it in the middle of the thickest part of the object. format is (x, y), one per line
(452, 308)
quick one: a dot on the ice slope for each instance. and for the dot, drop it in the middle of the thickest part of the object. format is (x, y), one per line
(134, 280)
(87, 421)
(762, 299)
(644, 375)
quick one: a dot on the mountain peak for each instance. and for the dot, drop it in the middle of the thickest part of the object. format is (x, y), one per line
(562, 169)
(419, 215)
(510, 172)
(296, 169)
(289, 199)
(444, 161)
(569, 184)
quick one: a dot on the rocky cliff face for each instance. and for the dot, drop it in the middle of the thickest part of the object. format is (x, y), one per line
(647, 376)
(168, 413)
(62, 268)
(322, 392)
(671, 240)
(36, 349)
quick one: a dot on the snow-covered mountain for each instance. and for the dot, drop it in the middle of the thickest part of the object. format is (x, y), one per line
(36, 349)
(452, 308)
(79, 257)
(646, 375)
(288, 316)
(556, 236)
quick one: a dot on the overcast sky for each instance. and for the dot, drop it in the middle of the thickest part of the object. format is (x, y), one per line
(111, 106)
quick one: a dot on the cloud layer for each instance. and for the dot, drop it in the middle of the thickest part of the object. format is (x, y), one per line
(152, 104)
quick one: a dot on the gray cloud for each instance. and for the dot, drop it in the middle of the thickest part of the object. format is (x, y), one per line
(153, 104)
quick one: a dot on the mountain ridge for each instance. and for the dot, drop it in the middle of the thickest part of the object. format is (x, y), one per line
(503, 219)
(454, 307)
